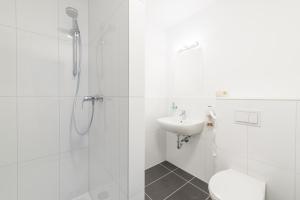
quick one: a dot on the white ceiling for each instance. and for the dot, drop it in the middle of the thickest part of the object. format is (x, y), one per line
(166, 13)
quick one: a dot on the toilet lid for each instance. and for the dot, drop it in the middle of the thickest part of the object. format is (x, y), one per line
(233, 185)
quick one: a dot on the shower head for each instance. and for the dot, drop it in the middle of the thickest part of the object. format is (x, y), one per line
(72, 12)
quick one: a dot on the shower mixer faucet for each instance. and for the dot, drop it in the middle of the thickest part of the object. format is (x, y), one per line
(93, 99)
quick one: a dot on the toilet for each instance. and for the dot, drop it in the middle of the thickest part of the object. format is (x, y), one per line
(233, 185)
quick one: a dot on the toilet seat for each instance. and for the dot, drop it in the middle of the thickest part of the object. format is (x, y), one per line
(233, 185)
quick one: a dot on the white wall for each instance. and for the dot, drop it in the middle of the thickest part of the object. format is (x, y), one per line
(108, 76)
(156, 92)
(116, 71)
(269, 152)
(249, 49)
(40, 159)
(136, 143)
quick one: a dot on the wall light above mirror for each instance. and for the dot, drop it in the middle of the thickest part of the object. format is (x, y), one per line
(188, 47)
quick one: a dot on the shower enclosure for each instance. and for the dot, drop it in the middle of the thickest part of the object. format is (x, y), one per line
(71, 100)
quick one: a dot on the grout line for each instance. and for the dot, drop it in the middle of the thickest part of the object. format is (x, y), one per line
(295, 154)
(39, 158)
(247, 146)
(8, 26)
(17, 103)
(59, 105)
(26, 96)
(158, 179)
(170, 171)
(148, 196)
(186, 182)
(59, 96)
(190, 181)
(175, 191)
(182, 176)
(88, 89)
(198, 188)
(57, 154)
(167, 167)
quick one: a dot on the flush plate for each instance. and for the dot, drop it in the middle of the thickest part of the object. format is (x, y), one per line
(249, 118)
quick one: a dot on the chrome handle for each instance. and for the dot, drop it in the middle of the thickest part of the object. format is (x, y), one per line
(182, 113)
(93, 99)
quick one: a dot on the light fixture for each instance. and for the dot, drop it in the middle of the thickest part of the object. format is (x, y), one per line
(185, 48)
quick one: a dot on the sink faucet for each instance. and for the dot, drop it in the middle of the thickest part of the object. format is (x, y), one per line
(182, 114)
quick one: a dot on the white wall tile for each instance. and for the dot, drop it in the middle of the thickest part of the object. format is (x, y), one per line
(274, 141)
(297, 188)
(113, 73)
(297, 137)
(194, 156)
(8, 12)
(108, 148)
(140, 195)
(136, 47)
(136, 145)
(39, 179)
(67, 82)
(99, 14)
(195, 107)
(65, 22)
(155, 136)
(231, 137)
(112, 136)
(270, 148)
(39, 16)
(124, 145)
(37, 65)
(34, 46)
(98, 176)
(8, 60)
(38, 127)
(280, 182)
(8, 133)
(69, 139)
(230, 160)
(73, 174)
(8, 182)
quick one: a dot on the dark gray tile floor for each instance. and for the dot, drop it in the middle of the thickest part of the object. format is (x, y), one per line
(165, 181)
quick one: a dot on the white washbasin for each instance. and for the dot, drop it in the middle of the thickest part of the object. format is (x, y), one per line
(187, 127)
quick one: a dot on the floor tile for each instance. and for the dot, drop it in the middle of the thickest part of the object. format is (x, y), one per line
(201, 184)
(155, 173)
(183, 174)
(168, 165)
(188, 192)
(164, 187)
(146, 197)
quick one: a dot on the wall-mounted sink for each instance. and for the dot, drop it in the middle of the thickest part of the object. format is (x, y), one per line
(186, 127)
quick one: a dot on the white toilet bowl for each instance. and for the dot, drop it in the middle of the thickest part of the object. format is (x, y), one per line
(233, 185)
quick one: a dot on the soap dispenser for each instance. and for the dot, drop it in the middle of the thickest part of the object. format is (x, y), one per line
(174, 108)
(211, 116)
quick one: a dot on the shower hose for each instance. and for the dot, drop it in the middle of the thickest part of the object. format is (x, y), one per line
(77, 54)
